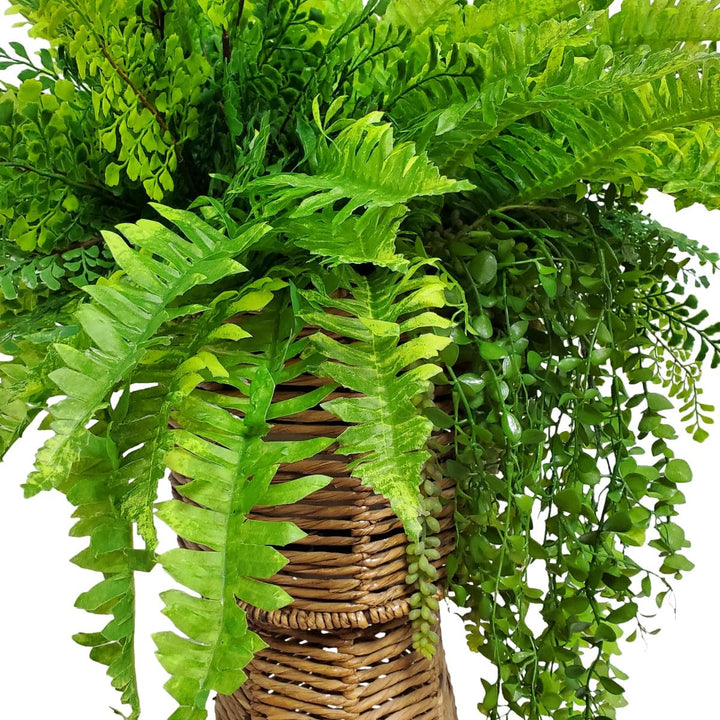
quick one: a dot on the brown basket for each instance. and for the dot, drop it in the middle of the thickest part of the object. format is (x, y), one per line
(349, 570)
(356, 674)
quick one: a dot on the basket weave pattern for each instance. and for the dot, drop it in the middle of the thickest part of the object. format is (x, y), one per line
(343, 649)
(355, 674)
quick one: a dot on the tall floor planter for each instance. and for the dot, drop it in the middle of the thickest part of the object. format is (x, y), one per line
(343, 650)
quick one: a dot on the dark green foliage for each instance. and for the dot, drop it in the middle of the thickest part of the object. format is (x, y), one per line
(570, 332)
(448, 192)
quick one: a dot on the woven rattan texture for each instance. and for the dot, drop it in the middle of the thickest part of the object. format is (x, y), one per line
(349, 570)
(356, 674)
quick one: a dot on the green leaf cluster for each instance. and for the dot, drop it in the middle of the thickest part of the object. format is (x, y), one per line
(448, 194)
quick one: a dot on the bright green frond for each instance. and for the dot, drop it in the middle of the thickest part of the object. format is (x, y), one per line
(606, 140)
(25, 386)
(418, 14)
(231, 467)
(363, 168)
(143, 432)
(390, 370)
(24, 389)
(123, 318)
(660, 24)
(95, 490)
(488, 17)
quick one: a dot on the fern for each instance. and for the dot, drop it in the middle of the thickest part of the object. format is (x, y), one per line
(95, 490)
(23, 392)
(491, 15)
(661, 24)
(223, 453)
(605, 140)
(511, 92)
(363, 168)
(428, 183)
(389, 432)
(144, 436)
(124, 318)
(25, 388)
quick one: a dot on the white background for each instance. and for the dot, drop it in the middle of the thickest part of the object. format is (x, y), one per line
(47, 675)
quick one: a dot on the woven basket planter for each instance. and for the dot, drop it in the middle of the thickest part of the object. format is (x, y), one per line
(351, 674)
(343, 649)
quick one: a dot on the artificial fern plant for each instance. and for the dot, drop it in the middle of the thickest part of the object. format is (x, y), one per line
(452, 189)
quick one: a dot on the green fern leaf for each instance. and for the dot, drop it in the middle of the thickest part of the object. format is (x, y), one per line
(25, 386)
(660, 24)
(489, 16)
(232, 468)
(417, 14)
(143, 435)
(389, 432)
(95, 490)
(606, 140)
(369, 237)
(363, 166)
(456, 127)
(124, 317)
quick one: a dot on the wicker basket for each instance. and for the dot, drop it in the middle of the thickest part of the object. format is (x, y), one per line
(354, 674)
(343, 648)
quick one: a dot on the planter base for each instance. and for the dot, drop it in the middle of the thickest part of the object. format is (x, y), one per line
(352, 674)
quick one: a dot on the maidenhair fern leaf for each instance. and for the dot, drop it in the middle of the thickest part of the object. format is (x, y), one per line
(124, 317)
(232, 468)
(390, 364)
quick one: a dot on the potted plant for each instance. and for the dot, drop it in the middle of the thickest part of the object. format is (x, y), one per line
(388, 255)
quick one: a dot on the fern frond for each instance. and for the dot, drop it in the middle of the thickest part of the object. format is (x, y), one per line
(232, 468)
(369, 237)
(95, 490)
(506, 64)
(364, 168)
(485, 18)
(453, 128)
(144, 437)
(25, 386)
(393, 320)
(362, 165)
(685, 165)
(124, 317)
(660, 24)
(606, 140)
(417, 15)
